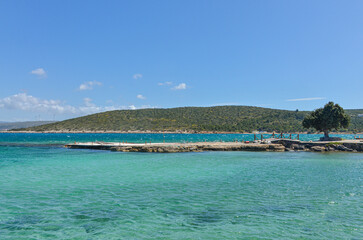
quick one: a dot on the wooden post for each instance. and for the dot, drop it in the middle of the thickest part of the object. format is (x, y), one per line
(298, 137)
(254, 137)
(281, 135)
(261, 137)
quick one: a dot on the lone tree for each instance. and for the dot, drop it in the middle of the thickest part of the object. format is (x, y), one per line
(332, 116)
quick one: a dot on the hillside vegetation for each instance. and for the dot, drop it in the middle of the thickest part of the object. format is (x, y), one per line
(221, 118)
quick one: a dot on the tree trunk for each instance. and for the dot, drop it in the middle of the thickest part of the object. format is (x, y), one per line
(326, 134)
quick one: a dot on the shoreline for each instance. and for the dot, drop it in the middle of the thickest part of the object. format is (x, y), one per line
(177, 132)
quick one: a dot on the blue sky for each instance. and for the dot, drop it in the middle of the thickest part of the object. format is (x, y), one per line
(63, 59)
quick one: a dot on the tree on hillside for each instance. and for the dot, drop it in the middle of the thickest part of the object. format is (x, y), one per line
(332, 116)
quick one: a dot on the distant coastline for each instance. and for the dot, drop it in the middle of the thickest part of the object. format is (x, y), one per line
(170, 132)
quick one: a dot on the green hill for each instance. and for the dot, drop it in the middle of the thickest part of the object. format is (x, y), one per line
(221, 118)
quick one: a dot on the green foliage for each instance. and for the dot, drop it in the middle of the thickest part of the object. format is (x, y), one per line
(332, 116)
(221, 118)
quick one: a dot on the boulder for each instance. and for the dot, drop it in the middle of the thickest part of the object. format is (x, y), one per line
(330, 148)
(297, 147)
(343, 148)
(317, 149)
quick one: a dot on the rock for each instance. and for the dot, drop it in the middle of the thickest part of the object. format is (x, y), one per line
(355, 146)
(330, 148)
(317, 148)
(297, 147)
(343, 148)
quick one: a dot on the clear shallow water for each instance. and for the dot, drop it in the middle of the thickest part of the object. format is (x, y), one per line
(51, 192)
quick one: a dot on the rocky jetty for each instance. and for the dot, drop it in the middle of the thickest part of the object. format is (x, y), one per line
(321, 146)
(179, 147)
(276, 145)
(200, 147)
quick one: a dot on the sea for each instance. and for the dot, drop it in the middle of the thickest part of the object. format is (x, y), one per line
(51, 192)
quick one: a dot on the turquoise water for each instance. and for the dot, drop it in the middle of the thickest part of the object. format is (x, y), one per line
(49, 192)
(63, 138)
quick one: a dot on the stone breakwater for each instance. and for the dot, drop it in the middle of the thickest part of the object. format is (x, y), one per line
(274, 145)
(321, 146)
(179, 147)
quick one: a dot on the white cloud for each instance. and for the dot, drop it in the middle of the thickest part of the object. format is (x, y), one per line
(141, 97)
(147, 106)
(88, 102)
(25, 102)
(28, 103)
(224, 104)
(89, 85)
(137, 76)
(165, 83)
(305, 99)
(40, 72)
(181, 86)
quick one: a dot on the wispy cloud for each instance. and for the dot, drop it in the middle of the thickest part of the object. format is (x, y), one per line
(89, 85)
(25, 102)
(305, 99)
(88, 102)
(29, 103)
(265, 105)
(181, 86)
(40, 72)
(165, 83)
(223, 104)
(139, 96)
(137, 76)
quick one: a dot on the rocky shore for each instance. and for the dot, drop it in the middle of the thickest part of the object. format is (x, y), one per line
(157, 132)
(321, 146)
(276, 145)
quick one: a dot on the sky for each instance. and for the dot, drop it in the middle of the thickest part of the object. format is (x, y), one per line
(64, 59)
